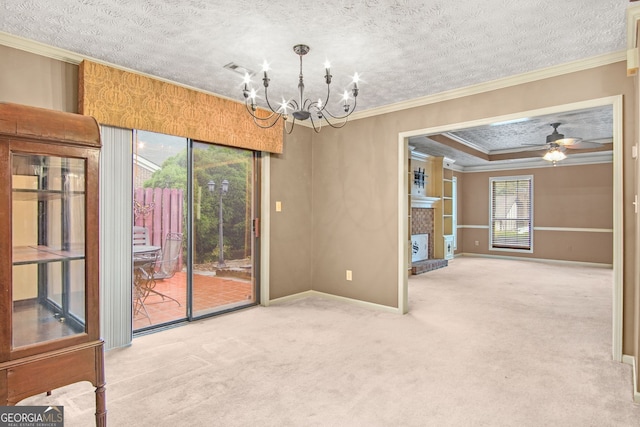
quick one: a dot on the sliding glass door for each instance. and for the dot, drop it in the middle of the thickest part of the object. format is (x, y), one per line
(222, 274)
(193, 235)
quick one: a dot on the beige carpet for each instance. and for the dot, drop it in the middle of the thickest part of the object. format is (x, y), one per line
(487, 343)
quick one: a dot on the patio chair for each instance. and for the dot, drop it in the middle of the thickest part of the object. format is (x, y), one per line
(165, 265)
(169, 259)
(140, 235)
(143, 283)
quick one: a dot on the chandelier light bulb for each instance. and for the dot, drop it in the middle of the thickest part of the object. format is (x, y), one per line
(252, 97)
(283, 106)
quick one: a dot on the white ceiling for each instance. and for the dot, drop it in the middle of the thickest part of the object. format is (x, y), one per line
(402, 49)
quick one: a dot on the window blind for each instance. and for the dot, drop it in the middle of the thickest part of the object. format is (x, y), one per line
(115, 236)
(511, 213)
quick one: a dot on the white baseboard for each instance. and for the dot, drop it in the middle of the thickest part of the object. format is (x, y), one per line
(291, 297)
(553, 261)
(630, 360)
(365, 304)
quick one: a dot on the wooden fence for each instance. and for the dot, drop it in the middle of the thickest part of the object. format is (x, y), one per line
(160, 210)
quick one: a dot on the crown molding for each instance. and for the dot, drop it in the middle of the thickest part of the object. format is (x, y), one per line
(417, 155)
(557, 70)
(515, 80)
(63, 55)
(42, 49)
(572, 160)
(465, 142)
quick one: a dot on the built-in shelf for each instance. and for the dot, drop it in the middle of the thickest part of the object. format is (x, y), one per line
(44, 254)
(442, 186)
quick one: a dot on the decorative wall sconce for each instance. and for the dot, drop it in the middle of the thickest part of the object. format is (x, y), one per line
(418, 177)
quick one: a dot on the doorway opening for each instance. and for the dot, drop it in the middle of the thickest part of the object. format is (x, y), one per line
(615, 102)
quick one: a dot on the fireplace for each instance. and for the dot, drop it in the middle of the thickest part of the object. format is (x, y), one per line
(422, 224)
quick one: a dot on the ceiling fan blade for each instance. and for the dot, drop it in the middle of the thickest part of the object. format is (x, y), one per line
(568, 142)
(534, 147)
(584, 144)
(606, 140)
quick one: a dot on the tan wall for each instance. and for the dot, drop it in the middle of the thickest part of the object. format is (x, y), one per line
(355, 182)
(563, 196)
(34, 80)
(291, 229)
(355, 211)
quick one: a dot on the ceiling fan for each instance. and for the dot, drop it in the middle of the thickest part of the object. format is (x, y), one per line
(557, 143)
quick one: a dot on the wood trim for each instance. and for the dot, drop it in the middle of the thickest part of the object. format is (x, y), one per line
(129, 100)
(57, 126)
(6, 267)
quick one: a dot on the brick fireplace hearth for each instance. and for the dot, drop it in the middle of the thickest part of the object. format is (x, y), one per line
(422, 223)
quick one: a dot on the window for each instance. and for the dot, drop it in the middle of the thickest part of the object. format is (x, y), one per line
(511, 214)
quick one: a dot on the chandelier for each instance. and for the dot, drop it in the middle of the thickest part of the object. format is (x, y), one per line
(303, 108)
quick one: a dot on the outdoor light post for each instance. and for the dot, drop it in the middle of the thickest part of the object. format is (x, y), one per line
(224, 188)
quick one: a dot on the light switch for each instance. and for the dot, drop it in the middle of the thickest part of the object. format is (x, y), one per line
(278, 206)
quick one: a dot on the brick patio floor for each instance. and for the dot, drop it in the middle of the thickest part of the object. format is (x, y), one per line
(209, 292)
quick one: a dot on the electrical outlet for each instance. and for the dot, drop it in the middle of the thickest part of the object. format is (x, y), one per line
(278, 206)
(349, 275)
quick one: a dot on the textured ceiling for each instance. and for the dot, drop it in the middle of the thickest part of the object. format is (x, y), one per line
(401, 49)
(526, 137)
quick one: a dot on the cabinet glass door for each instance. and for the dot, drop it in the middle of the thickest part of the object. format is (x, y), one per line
(48, 241)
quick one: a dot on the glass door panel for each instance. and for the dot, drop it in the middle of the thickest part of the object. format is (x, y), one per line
(48, 242)
(159, 278)
(222, 273)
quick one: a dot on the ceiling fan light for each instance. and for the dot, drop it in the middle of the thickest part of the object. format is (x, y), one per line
(554, 155)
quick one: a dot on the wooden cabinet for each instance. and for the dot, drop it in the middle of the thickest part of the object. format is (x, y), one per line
(49, 322)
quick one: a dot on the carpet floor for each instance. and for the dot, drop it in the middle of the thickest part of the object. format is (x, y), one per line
(486, 343)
